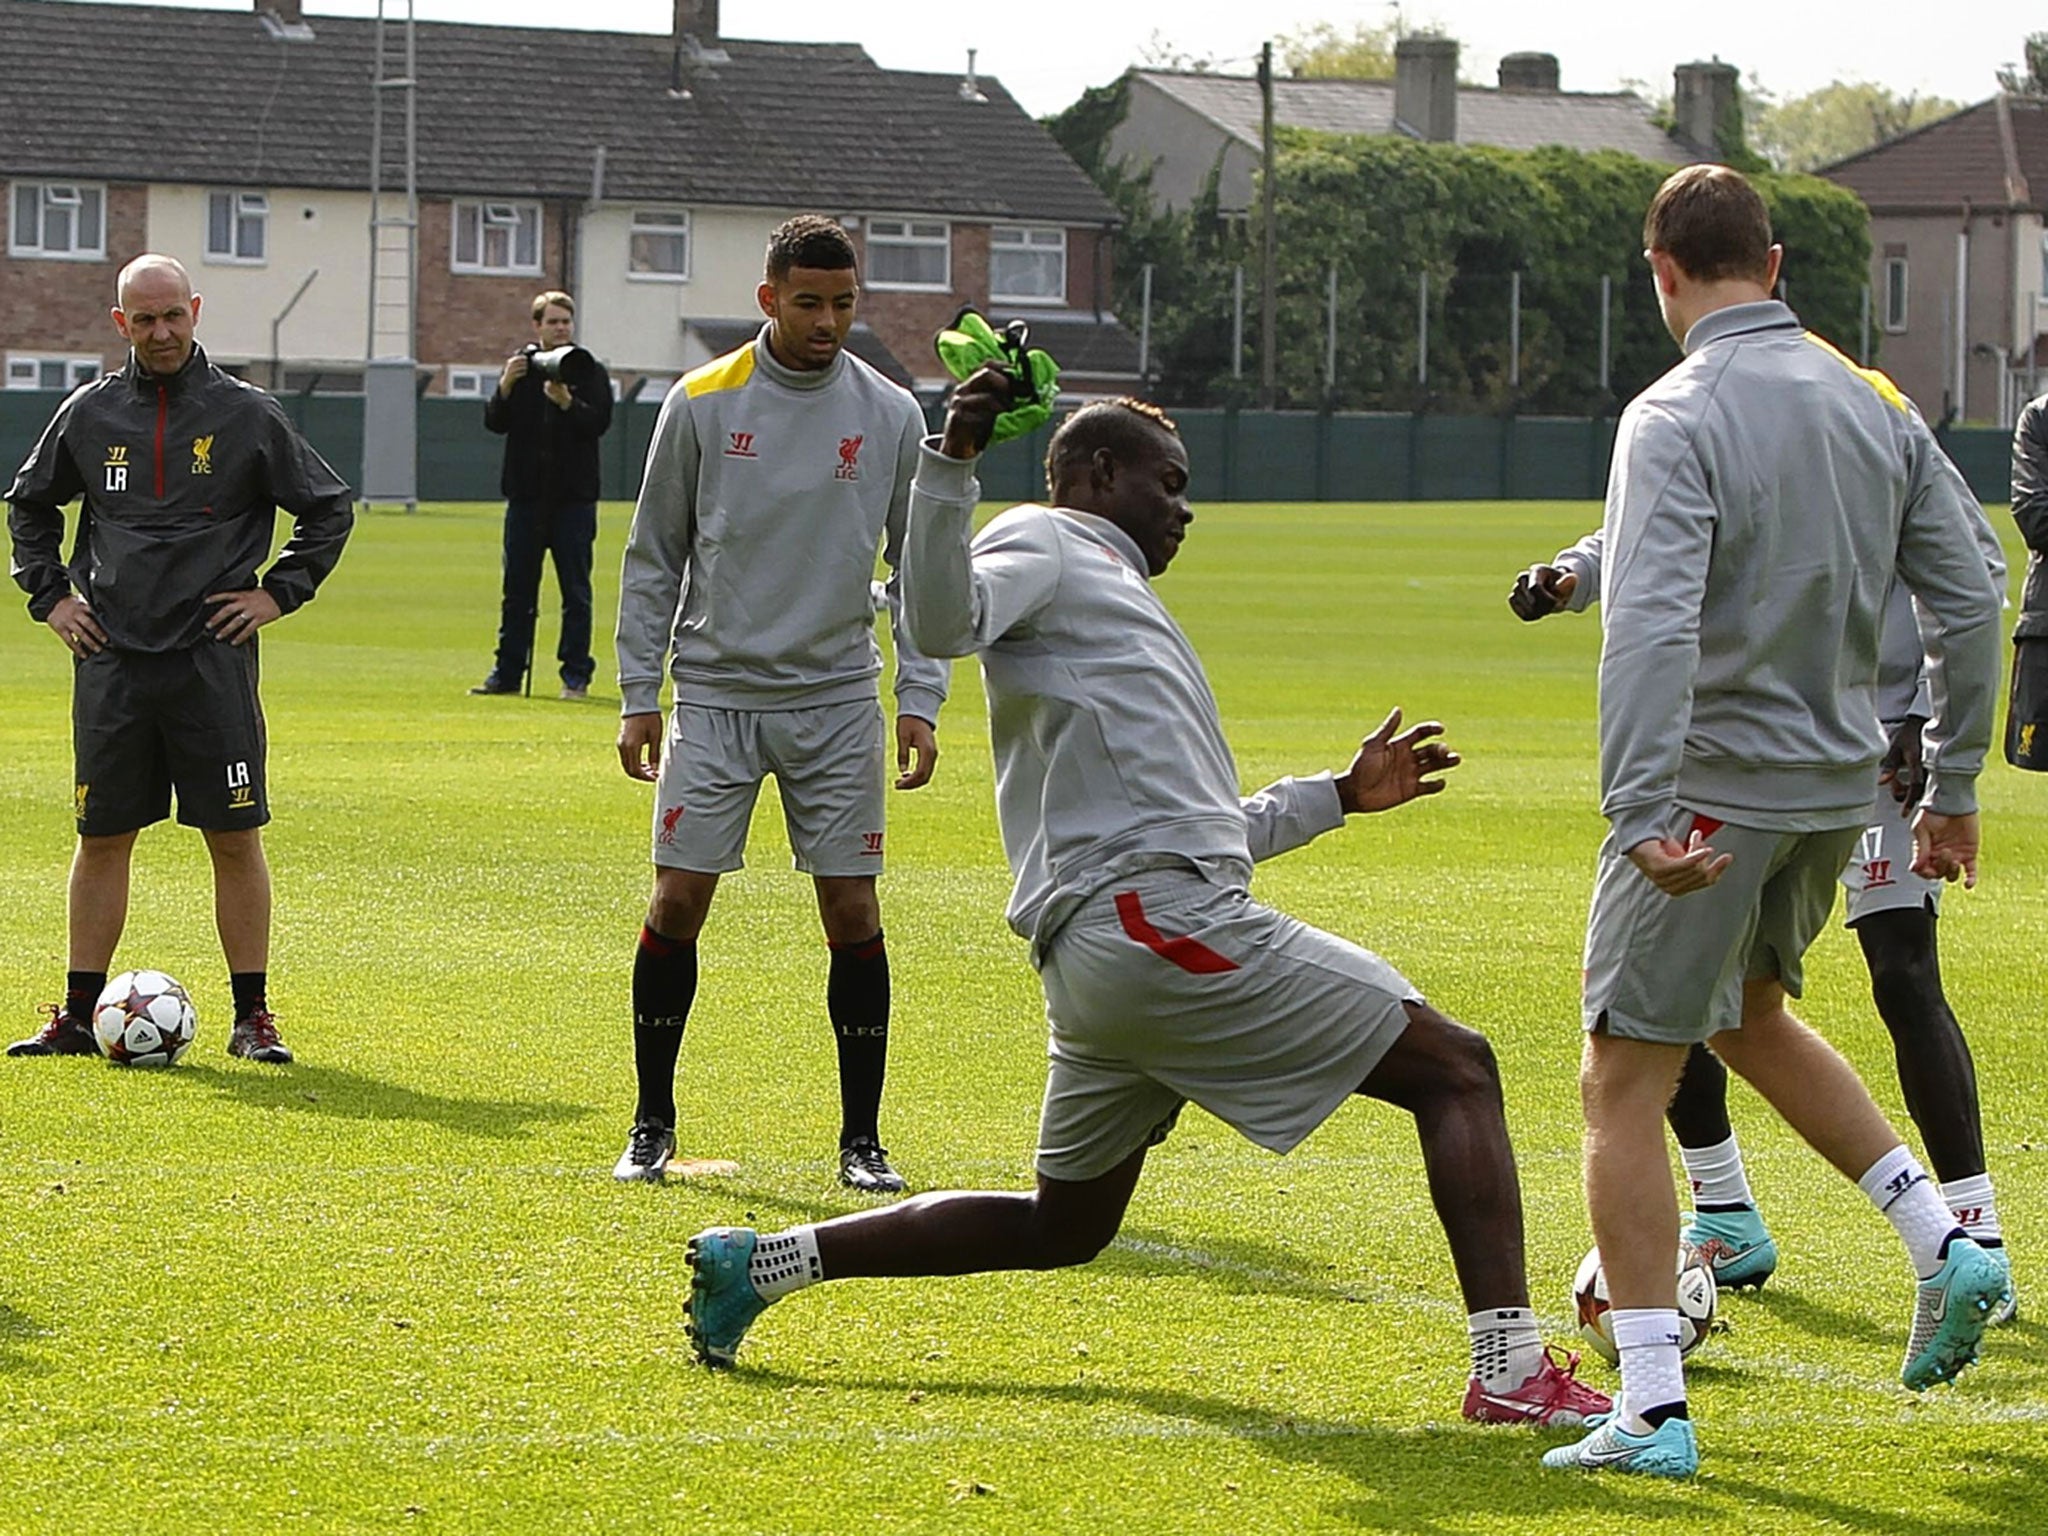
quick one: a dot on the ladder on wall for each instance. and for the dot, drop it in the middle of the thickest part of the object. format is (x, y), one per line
(390, 375)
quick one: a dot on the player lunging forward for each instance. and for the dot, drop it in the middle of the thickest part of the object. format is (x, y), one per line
(1164, 980)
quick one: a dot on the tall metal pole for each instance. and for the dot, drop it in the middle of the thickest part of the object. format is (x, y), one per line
(1863, 352)
(1145, 328)
(1515, 330)
(2033, 345)
(1269, 278)
(1330, 342)
(1237, 321)
(1422, 329)
(1962, 325)
(1606, 321)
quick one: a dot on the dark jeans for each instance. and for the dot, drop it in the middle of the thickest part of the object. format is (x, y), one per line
(533, 530)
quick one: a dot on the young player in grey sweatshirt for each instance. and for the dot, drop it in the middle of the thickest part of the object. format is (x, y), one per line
(774, 473)
(1762, 496)
(1164, 980)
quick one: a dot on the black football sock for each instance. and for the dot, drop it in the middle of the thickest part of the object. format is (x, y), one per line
(81, 990)
(664, 986)
(249, 988)
(857, 1000)
(1663, 1411)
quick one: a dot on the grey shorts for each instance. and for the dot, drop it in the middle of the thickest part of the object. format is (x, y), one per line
(1167, 988)
(1671, 968)
(1879, 875)
(829, 767)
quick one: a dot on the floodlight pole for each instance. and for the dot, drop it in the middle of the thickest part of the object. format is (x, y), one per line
(1145, 328)
(1237, 321)
(1606, 322)
(1515, 329)
(1269, 280)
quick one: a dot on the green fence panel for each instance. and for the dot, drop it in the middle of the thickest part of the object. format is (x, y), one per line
(1369, 458)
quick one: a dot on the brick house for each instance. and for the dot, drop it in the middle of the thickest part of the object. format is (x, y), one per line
(640, 172)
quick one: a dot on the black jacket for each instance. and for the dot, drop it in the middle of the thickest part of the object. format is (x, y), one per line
(2030, 511)
(182, 478)
(550, 453)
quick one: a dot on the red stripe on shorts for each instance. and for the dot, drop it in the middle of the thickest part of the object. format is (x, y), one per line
(1189, 954)
(1706, 826)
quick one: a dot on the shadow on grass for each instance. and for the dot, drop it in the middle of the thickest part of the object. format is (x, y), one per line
(1823, 1321)
(349, 1095)
(17, 1328)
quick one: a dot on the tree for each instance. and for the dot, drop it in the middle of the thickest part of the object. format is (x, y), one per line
(1837, 121)
(1322, 51)
(2032, 78)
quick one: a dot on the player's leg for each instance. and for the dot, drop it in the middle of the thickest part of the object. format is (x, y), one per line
(1724, 1224)
(522, 552)
(830, 770)
(96, 899)
(735, 1272)
(241, 910)
(703, 802)
(572, 534)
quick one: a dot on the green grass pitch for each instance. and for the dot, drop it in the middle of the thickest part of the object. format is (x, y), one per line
(394, 1287)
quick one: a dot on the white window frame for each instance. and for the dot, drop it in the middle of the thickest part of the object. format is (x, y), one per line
(1032, 240)
(60, 194)
(473, 381)
(660, 221)
(1897, 279)
(497, 213)
(243, 209)
(25, 369)
(898, 232)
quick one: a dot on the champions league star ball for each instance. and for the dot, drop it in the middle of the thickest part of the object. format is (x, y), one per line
(143, 1019)
(1696, 1292)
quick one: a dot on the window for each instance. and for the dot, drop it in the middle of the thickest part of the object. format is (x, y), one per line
(658, 249)
(58, 218)
(909, 253)
(473, 382)
(237, 226)
(1027, 266)
(34, 370)
(497, 237)
(1895, 293)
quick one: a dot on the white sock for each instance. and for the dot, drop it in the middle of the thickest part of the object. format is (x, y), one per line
(1506, 1348)
(786, 1262)
(1651, 1376)
(1976, 1212)
(1899, 1187)
(1716, 1174)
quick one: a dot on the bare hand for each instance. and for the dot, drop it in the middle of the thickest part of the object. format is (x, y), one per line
(1679, 869)
(1542, 590)
(917, 752)
(640, 747)
(75, 625)
(1945, 847)
(558, 392)
(1391, 770)
(971, 414)
(238, 615)
(513, 371)
(1902, 768)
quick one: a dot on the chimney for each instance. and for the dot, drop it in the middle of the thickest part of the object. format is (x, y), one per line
(284, 20)
(1529, 72)
(1426, 87)
(286, 11)
(1702, 101)
(698, 19)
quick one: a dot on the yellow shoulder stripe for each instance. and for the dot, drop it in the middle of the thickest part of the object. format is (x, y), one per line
(727, 372)
(1889, 392)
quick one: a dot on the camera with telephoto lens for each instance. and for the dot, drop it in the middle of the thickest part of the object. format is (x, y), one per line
(571, 365)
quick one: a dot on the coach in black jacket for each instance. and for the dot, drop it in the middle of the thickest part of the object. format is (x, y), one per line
(550, 480)
(182, 468)
(2026, 732)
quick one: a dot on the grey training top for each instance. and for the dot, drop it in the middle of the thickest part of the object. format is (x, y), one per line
(1763, 495)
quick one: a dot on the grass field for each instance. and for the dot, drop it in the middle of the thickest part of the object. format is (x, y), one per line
(394, 1287)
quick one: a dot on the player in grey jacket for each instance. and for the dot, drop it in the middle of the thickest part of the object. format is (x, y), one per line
(1763, 496)
(1893, 912)
(2026, 736)
(774, 474)
(1132, 854)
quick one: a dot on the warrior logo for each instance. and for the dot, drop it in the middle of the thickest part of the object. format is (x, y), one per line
(849, 458)
(871, 845)
(202, 455)
(740, 446)
(666, 837)
(117, 467)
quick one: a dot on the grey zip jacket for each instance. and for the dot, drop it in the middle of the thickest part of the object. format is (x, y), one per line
(752, 552)
(1762, 496)
(1109, 749)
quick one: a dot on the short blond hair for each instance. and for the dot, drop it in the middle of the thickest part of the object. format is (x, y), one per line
(541, 301)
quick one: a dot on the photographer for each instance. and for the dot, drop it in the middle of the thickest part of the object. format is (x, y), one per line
(551, 405)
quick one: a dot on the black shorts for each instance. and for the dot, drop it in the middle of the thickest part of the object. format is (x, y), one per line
(144, 723)
(2026, 727)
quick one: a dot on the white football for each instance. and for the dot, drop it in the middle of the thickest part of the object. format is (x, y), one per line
(143, 1019)
(1696, 1296)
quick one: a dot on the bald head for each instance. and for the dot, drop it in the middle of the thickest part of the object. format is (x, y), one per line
(156, 310)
